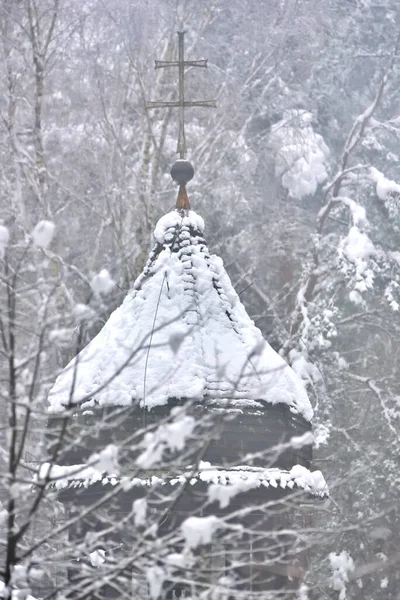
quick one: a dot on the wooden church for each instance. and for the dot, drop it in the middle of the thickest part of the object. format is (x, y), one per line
(185, 425)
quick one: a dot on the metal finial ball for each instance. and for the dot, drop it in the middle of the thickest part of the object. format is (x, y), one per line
(182, 171)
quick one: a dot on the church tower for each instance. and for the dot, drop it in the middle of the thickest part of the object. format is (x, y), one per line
(179, 405)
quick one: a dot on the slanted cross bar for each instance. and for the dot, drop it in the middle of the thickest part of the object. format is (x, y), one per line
(181, 63)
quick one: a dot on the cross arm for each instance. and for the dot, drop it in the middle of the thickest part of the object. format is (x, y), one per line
(161, 64)
(208, 103)
(177, 104)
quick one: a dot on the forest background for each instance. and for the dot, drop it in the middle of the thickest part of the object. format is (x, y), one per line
(296, 176)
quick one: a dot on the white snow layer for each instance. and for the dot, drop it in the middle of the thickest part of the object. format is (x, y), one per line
(301, 154)
(155, 578)
(341, 564)
(102, 283)
(97, 558)
(181, 332)
(384, 187)
(43, 232)
(4, 239)
(17, 594)
(199, 530)
(140, 511)
(224, 484)
(169, 435)
(358, 249)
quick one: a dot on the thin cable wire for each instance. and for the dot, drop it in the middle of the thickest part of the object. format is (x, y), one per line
(149, 347)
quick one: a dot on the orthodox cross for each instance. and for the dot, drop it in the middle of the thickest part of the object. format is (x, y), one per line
(181, 63)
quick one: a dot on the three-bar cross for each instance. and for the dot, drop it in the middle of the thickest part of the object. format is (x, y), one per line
(181, 63)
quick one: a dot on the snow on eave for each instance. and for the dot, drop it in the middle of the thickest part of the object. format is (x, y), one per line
(298, 477)
(181, 332)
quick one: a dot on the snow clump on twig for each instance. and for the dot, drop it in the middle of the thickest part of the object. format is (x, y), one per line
(341, 564)
(43, 233)
(199, 530)
(4, 239)
(102, 283)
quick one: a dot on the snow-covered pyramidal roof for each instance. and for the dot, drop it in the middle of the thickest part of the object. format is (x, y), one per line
(181, 332)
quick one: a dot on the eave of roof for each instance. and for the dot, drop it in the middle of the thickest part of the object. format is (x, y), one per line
(241, 477)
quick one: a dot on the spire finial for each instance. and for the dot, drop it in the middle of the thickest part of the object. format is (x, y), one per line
(182, 201)
(182, 170)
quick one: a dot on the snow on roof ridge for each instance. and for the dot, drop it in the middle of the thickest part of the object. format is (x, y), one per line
(181, 332)
(174, 218)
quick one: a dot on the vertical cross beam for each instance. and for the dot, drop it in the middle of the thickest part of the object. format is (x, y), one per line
(181, 63)
(181, 149)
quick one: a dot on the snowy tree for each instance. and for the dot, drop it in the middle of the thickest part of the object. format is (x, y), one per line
(71, 528)
(296, 176)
